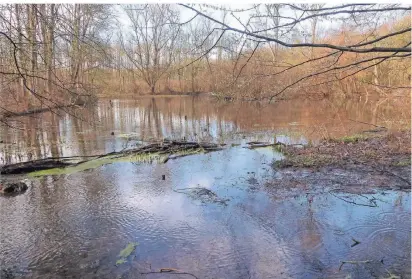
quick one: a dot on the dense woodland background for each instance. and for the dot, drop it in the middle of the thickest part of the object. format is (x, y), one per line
(54, 54)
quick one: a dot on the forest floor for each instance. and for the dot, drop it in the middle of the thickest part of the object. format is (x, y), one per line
(374, 159)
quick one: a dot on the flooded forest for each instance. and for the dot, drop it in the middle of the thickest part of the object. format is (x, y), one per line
(205, 141)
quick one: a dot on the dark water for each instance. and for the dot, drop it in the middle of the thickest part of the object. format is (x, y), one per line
(74, 226)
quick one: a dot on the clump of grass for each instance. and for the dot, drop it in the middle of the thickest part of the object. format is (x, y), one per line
(403, 163)
(352, 138)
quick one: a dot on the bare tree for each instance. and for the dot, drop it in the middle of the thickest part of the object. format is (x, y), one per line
(367, 52)
(150, 45)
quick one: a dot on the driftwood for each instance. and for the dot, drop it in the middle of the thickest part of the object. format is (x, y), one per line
(161, 148)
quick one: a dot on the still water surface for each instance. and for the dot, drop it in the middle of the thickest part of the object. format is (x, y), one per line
(74, 226)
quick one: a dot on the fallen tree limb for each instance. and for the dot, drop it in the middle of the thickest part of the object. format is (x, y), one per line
(42, 164)
(40, 110)
(257, 144)
(174, 149)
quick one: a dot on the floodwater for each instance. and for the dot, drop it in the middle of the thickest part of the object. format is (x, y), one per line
(74, 226)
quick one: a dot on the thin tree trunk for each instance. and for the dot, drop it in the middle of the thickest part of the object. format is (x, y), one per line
(19, 42)
(376, 74)
(50, 46)
(31, 32)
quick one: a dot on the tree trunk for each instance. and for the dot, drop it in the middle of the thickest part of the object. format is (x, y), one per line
(50, 46)
(75, 63)
(31, 32)
(19, 43)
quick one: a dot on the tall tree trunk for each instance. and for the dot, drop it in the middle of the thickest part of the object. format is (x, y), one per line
(47, 28)
(19, 43)
(50, 46)
(31, 32)
(75, 63)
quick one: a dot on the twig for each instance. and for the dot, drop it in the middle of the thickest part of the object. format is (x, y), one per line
(353, 262)
(367, 123)
(352, 202)
(169, 271)
(355, 242)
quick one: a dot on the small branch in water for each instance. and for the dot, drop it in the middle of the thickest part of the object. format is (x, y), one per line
(169, 271)
(353, 262)
(253, 145)
(368, 123)
(352, 202)
(355, 242)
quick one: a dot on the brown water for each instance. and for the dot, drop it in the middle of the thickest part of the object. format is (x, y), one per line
(74, 226)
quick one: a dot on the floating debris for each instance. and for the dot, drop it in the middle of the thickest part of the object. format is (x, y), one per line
(203, 194)
(355, 242)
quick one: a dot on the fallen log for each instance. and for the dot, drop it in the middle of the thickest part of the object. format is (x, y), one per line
(162, 148)
(25, 167)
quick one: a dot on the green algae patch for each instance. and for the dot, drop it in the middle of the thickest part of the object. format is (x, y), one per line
(126, 252)
(92, 164)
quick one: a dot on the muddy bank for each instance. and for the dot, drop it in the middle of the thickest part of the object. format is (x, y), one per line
(358, 161)
(388, 149)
